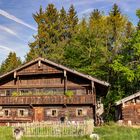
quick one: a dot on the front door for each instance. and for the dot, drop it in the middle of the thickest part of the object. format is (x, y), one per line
(38, 114)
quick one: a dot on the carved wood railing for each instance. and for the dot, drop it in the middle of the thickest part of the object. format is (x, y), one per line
(47, 100)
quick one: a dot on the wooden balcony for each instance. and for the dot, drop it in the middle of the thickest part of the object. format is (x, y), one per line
(47, 100)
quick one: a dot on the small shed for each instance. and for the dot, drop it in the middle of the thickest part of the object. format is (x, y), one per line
(128, 109)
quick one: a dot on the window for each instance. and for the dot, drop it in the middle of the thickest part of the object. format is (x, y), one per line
(8, 93)
(54, 113)
(22, 112)
(6, 112)
(79, 112)
(2, 92)
(24, 91)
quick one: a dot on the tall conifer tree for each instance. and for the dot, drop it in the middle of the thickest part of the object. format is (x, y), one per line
(10, 63)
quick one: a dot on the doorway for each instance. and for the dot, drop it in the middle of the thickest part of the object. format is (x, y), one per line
(38, 114)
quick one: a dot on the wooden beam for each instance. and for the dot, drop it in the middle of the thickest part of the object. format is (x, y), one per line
(44, 86)
(65, 73)
(37, 73)
(94, 102)
(65, 81)
(15, 75)
(39, 63)
(92, 87)
(17, 83)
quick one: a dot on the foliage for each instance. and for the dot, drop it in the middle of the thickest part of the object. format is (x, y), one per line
(69, 93)
(15, 93)
(97, 49)
(55, 29)
(10, 63)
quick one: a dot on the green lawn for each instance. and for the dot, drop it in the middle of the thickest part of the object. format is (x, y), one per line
(6, 133)
(107, 132)
(114, 132)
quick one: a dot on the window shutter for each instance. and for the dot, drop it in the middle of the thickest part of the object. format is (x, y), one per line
(26, 112)
(84, 112)
(1, 113)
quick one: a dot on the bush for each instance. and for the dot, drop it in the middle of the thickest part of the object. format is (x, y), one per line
(69, 93)
(15, 93)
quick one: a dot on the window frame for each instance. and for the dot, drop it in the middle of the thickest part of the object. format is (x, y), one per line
(4, 113)
(24, 114)
(78, 109)
(52, 112)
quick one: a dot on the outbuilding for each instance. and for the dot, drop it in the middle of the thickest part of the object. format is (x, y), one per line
(128, 109)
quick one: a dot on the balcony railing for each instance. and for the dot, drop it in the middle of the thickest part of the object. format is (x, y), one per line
(47, 100)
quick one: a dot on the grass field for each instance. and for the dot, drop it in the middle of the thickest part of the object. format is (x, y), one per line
(114, 132)
(107, 132)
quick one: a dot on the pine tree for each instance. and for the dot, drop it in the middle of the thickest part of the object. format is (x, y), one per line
(95, 15)
(10, 63)
(63, 24)
(37, 46)
(72, 21)
(117, 23)
(55, 29)
(48, 29)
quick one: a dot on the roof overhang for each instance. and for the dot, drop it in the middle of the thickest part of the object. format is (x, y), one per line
(127, 98)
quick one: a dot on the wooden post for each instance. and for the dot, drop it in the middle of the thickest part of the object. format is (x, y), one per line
(94, 101)
(15, 77)
(17, 83)
(93, 91)
(39, 63)
(65, 81)
(123, 105)
(92, 87)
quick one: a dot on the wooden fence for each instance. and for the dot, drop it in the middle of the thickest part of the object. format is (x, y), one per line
(56, 129)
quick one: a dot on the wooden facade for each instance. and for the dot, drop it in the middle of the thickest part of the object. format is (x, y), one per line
(42, 90)
(128, 109)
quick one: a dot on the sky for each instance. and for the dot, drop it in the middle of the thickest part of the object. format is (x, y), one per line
(17, 25)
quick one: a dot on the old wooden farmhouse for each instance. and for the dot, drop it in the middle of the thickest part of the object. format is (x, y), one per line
(42, 90)
(128, 109)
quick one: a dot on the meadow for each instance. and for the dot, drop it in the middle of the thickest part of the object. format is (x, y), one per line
(106, 132)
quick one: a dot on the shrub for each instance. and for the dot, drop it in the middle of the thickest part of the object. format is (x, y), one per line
(15, 93)
(69, 93)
